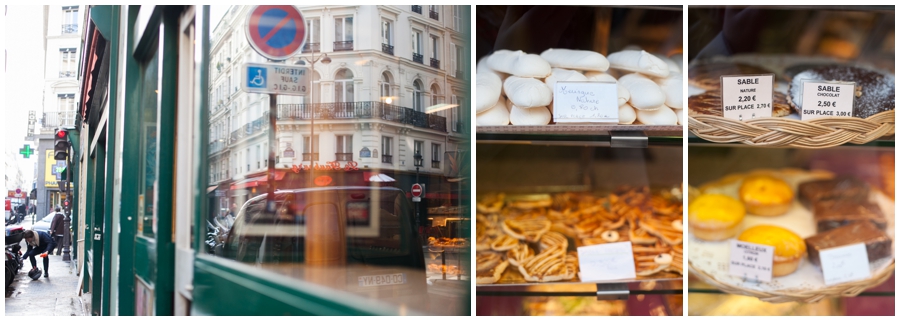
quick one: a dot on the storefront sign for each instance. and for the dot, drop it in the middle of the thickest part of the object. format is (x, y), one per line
(746, 97)
(845, 264)
(611, 261)
(827, 99)
(323, 180)
(329, 166)
(53, 170)
(585, 102)
(750, 261)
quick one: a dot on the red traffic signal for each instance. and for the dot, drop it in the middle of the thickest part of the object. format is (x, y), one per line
(61, 133)
(61, 144)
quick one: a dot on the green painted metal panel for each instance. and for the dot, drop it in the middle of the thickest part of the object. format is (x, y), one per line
(131, 138)
(75, 142)
(201, 133)
(96, 213)
(103, 21)
(144, 253)
(224, 287)
(111, 18)
(165, 164)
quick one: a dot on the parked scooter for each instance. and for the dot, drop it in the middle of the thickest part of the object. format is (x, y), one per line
(14, 262)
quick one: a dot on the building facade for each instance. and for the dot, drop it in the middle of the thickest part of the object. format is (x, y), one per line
(388, 65)
(62, 42)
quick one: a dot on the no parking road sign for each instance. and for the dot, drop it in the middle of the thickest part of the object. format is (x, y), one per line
(276, 32)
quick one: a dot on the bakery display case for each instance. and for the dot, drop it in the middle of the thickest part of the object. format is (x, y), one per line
(555, 198)
(791, 213)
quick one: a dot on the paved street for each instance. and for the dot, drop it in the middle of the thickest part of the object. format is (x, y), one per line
(53, 296)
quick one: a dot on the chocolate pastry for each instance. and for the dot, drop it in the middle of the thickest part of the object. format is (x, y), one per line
(710, 103)
(707, 75)
(830, 215)
(874, 89)
(878, 244)
(844, 189)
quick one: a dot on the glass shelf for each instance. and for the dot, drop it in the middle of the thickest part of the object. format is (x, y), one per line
(582, 135)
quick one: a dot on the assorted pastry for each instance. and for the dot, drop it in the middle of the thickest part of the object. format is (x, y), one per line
(448, 242)
(514, 87)
(535, 237)
(841, 208)
(874, 88)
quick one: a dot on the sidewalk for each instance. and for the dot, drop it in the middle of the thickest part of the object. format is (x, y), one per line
(53, 296)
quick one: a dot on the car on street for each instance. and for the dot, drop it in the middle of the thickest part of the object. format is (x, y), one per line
(44, 223)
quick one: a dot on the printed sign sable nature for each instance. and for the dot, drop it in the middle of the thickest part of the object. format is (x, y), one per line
(746, 97)
(585, 102)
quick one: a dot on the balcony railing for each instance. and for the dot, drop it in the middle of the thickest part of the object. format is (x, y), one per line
(314, 156)
(388, 49)
(418, 58)
(255, 127)
(311, 47)
(387, 159)
(66, 74)
(343, 157)
(69, 28)
(362, 110)
(417, 9)
(433, 14)
(435, 164)
(343, 45)
(435, 63)
(58, 119)
(216, 146)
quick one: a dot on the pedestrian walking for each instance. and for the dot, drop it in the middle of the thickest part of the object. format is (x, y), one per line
(57, 229)
(39, 243)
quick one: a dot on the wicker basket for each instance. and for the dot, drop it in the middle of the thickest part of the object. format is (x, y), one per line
(783, 132)
(843, 289)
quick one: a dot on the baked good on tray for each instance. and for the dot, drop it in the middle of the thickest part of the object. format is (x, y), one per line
(878, 243)
(715, 217)
(845, 189)
(766, 195)
(789, 247)
(834, 214)
(874, 89)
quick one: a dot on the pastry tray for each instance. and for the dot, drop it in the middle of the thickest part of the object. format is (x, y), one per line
(709, 260)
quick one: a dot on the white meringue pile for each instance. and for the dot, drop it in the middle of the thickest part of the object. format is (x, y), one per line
(513, 87)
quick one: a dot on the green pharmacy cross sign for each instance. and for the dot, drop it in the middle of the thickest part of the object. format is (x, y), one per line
(26, 151)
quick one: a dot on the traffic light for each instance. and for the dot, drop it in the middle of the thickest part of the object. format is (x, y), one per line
(61, 144)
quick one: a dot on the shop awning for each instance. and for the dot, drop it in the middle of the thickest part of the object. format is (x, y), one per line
(379, 177)
(211, 188)
(256, 181)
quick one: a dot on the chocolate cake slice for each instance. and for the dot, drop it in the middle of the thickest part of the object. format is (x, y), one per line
(845, 189)
(830, 215)
(878, 244)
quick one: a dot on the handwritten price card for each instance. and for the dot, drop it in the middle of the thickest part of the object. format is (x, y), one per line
(585, 102)
(611, 261)
(746, 97)
(826, 99)
(750, 261)
(845, 264)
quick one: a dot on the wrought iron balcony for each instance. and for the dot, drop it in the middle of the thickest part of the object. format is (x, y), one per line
(418, 58)
(66, 74)
(343, 45)
(314, 156)
(388, 49)
(435, 164)
(362, 110)
(433, 14)
(435, 63)
(69, 28)
(312, 47)
(53, 120)
(417, 9)
(255, 127)
(387, 159)
(343, 157)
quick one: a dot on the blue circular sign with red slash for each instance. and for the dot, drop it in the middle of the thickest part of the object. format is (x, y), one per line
(276, 32)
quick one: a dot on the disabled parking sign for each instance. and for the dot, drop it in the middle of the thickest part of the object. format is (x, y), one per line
(256, 77)
(276, 32)
(272, 78)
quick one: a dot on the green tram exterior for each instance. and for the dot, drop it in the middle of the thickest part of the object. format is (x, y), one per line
(143, 200)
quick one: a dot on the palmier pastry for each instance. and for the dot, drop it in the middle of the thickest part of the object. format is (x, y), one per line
(504, 243)
(662, 229)
(491, 204)
(571, 265)
(529, 230)
(552, 240)
(651, 259)
(548, 266)
(487, 260)
(492, 274)
(707, 75)
(520, 253)
(874, 90)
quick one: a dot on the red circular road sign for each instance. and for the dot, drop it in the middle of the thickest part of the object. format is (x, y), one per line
(276, 32)
(416, 190)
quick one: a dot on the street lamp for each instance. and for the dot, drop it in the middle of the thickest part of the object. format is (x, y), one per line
(417, 161)
(312, 120)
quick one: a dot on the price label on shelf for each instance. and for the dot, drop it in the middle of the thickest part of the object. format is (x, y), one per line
(826, 99)
(585, 102)
(845, 264)
(746, 97)
(610, 261)
(750, 261)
